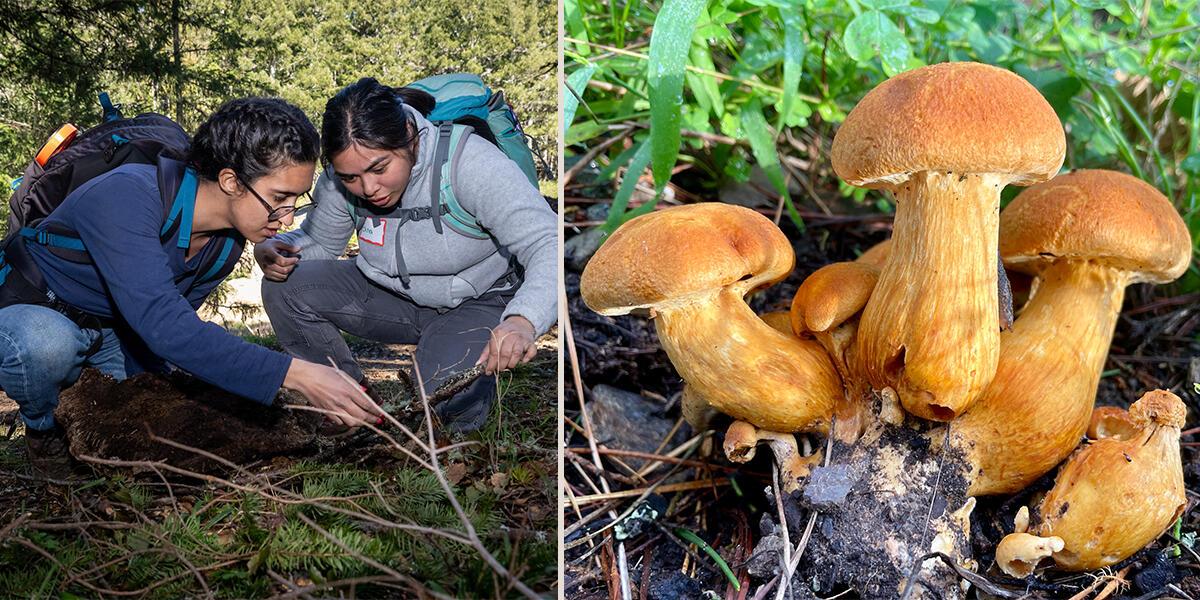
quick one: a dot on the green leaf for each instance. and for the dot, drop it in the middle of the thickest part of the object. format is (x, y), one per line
(669, 44)
(617, 214)
(923, 15)
(762, 144)
(575, 25)
(793, 62)
(581, 132)
(703, 87)
(873, 33)
(885, 4)
(1191, 164)
(577, 81)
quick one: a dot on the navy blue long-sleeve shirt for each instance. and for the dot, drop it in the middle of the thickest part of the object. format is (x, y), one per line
(147, 283)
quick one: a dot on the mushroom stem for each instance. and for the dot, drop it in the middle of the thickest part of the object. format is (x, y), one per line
(732, 359)
(930, 328)
(1038, 406)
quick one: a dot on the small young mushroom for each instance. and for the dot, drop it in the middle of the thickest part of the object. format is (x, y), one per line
(692, 267)
(825, 306)
(1019, 554)
(1086, 235)
(742, 439)
(944, 139)
(1114, 496)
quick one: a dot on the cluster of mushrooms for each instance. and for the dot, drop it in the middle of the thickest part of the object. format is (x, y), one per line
(920, 328)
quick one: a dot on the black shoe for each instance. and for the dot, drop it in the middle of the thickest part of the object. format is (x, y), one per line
(50, 454)
(469, 409)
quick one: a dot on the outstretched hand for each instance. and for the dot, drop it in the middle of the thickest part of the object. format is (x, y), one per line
(511, 344)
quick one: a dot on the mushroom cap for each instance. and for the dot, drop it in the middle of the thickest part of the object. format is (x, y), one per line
(1096, 215)
(1018, 554)
(1158, 408)
(831, 295)
(960, 117)
(682, 250)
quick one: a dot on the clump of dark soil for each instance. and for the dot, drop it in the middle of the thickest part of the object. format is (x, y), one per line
(900, 507)
(108, 419)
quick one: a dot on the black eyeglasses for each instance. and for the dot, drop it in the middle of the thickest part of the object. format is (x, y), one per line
(273, 214)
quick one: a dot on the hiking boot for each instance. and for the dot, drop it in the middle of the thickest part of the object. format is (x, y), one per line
(469, 409)
(49, 453)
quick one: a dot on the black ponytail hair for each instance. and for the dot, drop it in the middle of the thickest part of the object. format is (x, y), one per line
(253, 136)
(371, 114)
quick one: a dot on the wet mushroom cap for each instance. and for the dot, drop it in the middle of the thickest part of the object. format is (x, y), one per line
(682, 250)
(1101, 216)
(959, 117)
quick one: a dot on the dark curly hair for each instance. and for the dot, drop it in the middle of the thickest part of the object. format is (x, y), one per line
(372, 114)
(253, 136)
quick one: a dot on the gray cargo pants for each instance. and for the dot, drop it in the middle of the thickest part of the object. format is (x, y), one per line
(322, 298)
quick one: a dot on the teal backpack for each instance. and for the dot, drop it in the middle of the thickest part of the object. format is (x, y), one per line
(464, 105)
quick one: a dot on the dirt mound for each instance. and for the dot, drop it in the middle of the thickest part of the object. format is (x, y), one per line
(110, 419)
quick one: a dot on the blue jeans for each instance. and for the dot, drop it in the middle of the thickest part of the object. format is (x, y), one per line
(43, 352)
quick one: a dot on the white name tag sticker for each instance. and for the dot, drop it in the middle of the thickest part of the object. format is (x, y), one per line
(372, 234)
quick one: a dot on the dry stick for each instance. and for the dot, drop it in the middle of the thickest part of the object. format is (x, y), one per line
(786, 556)
(409, 453)
(294, 498)
(673, 455)
(468, 528)
(798, 553)
(670, 487)
(591, 438)
(660, 459)
(14, 524)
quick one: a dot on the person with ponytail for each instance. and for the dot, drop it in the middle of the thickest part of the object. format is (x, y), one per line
(132, 306)
(464, 300)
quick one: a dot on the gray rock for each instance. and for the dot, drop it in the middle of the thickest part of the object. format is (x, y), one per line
(626, 421)
(597, 212)
(579, 249)
(828, 487)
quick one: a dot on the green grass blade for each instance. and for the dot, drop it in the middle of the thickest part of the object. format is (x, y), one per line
(793, 62)
(616, 214)
(762, 144)
(576, 26)
(577, 81)
(692, 538)
(669, 44)
(1138, 122)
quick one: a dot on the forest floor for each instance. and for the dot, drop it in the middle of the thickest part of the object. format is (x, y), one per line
(302, 514)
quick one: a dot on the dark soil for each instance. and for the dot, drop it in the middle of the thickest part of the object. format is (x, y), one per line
(1155, 346)
(119, 420)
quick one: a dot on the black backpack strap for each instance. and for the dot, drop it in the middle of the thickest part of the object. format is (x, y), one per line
(178, 186)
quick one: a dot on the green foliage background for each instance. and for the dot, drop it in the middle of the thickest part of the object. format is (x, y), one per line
(55, 56)
(746, 81)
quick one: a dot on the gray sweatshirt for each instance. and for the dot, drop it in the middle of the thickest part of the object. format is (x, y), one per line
(448, 268)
